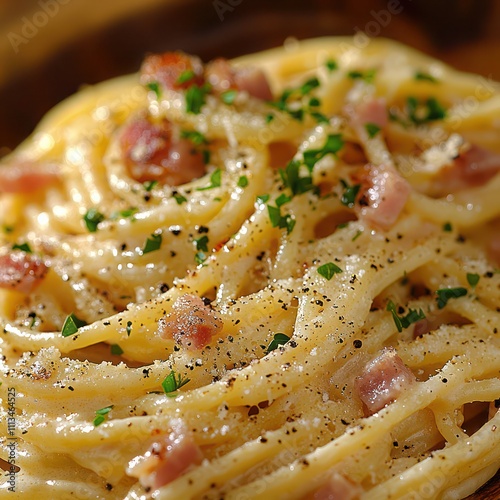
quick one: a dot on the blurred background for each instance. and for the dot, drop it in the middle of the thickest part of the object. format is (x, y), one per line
(49, 48)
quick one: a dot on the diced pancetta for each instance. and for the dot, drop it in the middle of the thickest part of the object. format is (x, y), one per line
(151, 152)
(337, 487)
(473, 167)
(21, 271)
(167, 458)
(383, 380)
(26, 176)
(384, 194)
(191, 323)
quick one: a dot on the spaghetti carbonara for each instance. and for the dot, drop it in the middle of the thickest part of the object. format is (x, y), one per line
(273, 277)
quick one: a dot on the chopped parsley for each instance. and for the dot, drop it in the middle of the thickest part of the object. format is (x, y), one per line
(331, 65)
(263, 198)
(172, 382)
(447, 227)
(404, 321)
(291, 179)
(424, 111)
(116, 349)
(333, 144)
(150, 185)
(243, 181)
(420, 75)
(359, 232)
(92, 218)
(349, 194)
(125, 214)
(200, 257)
(309, 85)
(445, 294)
(185, 76)
(279, 339)
(215, 180)
(278, 220)
(24, 247)
(194, 136)
(368, 76)
(179, 198)
(472, 279)
(155, 87)
(101, 415)
(372, 129)
(328, 270)
(229, 96)
(195, 98)
(7, 229)
(71, 325)
(153, 243)
(201, 243)
(269, 117)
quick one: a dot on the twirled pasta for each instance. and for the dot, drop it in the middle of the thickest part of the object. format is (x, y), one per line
(346, 340)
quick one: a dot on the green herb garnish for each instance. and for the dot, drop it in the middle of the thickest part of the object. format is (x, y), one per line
(243, 181)
(195, 98)
(331, 65)
(328, 270)
(201, 243)
(153, 243)
(116, 349)
(279, 339)
(155, 87)
(194, 136)
(420, 75)
(404, 321)
(472, 279)
(101, 415)
(229, 96)
(349, 195)
(368, 76)
(92, 218)
(215, 180)
(421, 112)
(173, 382)
(333, 144)
(179, 198)
(71, 325)
(445, 294)
(372, 129)
(185, 76)
(24, 247)
(447, 227)
(150, 185)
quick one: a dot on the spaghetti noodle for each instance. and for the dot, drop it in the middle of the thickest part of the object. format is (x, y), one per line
(270, 277)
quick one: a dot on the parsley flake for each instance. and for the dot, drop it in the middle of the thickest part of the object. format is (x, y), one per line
(328, 270)
(101, 415)
(179, 198)
(185, 76)
(173, 382)
(333, 144)
(472, 279)
(92, 218)
(153, 243)
(421, 112)
(404, 321)
(331, 65)
(279, 339)
(201, 243)
(372, 129)
(445, 294)
(243, 181)
(263, 198)
(229, 96)
(368, 76)
(194, 136)
(215, 180)
(447, 227)
(155, 87)
(71, 325)
(420, 75)
(349, 195)
(195, 98)
(116, 349)
(278, 220)
(150, 185)
(24, 247)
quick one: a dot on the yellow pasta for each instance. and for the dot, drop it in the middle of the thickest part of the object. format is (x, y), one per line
(211, 292)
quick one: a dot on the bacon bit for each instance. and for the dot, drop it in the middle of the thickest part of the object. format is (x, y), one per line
(27, 176)
(21, 271)
(385, 193)
(151, 153)
(191, 323)
(168, 67)
(373, 110)
(474, 167)
(338, 487)
(383, 380)
(167, 458)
